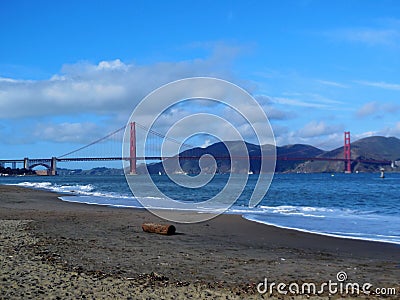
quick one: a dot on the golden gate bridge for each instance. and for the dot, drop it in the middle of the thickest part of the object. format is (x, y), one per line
(154, 139)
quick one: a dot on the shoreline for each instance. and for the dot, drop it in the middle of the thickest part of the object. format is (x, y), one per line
(228, 253)
(243, 215)
(365, 229)
(326, 234)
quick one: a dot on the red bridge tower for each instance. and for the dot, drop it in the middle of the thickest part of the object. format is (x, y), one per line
(347, 152)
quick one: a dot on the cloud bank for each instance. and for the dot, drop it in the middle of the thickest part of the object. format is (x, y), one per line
(377, 109)
(110, 87)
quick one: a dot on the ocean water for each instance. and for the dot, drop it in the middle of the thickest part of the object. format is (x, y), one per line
(359, 206)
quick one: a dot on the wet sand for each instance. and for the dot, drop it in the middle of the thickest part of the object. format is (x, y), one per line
(50, 248)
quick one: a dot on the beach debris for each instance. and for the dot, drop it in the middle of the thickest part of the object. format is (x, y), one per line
(158, 277)
(159, 228)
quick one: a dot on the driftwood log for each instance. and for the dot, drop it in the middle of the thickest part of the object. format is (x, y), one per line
(159, 228)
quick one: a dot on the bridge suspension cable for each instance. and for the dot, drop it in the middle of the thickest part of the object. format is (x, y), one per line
(104, 138)
(94, 142)
(163, 136)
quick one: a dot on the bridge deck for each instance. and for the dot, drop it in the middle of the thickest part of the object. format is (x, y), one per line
(116, 158)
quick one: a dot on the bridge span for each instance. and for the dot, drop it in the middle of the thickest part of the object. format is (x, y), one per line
(51, 163)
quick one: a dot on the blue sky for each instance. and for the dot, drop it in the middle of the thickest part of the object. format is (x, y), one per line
(71, 71)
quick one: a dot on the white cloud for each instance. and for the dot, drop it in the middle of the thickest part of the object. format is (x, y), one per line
(315, 128)
(113, 65)
(301, 103)
(108, 88)
(380, 84)
(3, 79)
(356, 137)
(325, 142)
(332, 83)
(272, 112)
(206, 143)
(263, 99)
(322, 99)
(316, 133)
(309, 100)
(377, 109)
(389, 36)
(277, 114)
(67, 132)
(367, 109)
(393, 130)
(94, 98)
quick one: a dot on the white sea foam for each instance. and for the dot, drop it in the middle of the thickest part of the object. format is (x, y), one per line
(305, 211)
(76, 189)
(36, 185)
(345, 235)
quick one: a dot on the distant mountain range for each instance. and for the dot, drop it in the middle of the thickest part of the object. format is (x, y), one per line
(371, 152)
(92, 172)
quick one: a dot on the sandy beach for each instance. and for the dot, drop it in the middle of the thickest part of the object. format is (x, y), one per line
(52, 249)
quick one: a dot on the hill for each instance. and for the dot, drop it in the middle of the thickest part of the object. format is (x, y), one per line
(292, 152)
(100, 171)
(375, 148)
(220, 152)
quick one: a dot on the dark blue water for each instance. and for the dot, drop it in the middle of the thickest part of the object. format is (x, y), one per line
(361, 206)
